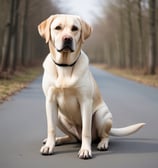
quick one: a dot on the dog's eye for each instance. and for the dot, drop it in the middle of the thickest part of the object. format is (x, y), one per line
(58, 28)
(74, 28)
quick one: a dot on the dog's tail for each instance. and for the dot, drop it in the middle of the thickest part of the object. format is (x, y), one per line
(126, 130)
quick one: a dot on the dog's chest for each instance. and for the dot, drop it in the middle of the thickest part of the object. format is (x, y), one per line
(68, 105)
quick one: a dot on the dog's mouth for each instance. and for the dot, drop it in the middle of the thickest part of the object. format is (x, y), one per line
(67, 45)
(65, 49)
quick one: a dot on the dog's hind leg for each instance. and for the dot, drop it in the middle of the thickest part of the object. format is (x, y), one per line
(68, 129)
(104, 135)
(72, 134)
(63, 140)
(103, 123)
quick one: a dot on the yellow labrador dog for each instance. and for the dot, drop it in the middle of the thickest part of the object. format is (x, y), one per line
(73, 100)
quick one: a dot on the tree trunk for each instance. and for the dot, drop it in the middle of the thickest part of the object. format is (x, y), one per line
(140, 38)
(24, 33)
(122, 40)
(130, 32)
(13, 52)
(152, 38)
(6, 41)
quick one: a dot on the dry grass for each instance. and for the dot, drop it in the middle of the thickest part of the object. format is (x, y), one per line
(136, 75)
(17, 82)
(22, 78)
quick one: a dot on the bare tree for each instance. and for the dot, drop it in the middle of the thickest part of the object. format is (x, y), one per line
(152, 35)
(14, 35)
(140, 38)
(7, 38)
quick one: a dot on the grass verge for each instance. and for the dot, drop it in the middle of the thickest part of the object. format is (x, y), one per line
(135, 75)
(18, 81)
(23, 77)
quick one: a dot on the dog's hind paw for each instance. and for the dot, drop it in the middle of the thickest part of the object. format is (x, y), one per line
(44, 141)
(103, 144)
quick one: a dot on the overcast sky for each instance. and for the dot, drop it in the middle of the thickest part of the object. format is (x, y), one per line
(87, 9)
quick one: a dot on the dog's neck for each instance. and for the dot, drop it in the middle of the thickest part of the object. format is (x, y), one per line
(64, 59)
(67, 65)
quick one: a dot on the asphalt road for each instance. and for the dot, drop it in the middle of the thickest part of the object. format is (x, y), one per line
(23, 126)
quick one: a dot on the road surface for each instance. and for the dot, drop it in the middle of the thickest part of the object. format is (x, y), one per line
(23, 126)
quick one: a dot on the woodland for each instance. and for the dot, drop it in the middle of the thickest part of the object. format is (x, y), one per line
(125, 36)
(20, 44)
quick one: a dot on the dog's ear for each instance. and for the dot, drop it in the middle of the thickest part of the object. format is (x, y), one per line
(86, 30)
(44, 27)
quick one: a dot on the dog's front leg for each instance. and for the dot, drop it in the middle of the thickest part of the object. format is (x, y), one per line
(51, 115)
(86, 113)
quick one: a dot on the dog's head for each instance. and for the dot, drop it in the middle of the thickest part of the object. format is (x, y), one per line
(65, 32)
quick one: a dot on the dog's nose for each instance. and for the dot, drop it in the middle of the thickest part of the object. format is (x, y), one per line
(67, 39)
(67, 43)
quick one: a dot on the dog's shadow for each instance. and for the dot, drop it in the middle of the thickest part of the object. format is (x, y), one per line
(130, 145)
(116, 146)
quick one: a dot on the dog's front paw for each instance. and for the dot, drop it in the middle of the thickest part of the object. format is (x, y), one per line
(47, 149)
(85, 154)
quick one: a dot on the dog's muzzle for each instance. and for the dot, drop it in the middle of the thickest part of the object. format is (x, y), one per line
(67, 45)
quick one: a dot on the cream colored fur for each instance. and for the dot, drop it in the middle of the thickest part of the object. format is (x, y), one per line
(73, 100)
